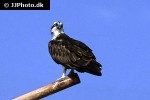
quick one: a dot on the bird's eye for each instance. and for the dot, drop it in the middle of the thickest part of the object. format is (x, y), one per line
(56, 24)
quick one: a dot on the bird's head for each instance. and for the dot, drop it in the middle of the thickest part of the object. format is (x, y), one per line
(56, 29)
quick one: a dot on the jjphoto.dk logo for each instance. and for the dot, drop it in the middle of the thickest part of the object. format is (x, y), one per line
(25, 5)
(7, 5)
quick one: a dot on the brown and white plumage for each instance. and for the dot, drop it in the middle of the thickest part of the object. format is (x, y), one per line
(71, 53)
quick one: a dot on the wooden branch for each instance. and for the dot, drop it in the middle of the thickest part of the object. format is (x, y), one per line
(52, 88)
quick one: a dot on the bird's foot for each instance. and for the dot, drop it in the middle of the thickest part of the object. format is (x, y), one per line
(63, 76)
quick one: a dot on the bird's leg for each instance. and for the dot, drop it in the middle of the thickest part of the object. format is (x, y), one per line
(64, 73)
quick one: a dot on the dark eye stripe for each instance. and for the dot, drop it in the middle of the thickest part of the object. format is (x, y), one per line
(52, 26)
(56, 24)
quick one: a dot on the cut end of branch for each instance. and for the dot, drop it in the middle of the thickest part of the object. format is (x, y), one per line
(52, 88)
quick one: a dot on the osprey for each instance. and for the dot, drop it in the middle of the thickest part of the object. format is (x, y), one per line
(70, 53)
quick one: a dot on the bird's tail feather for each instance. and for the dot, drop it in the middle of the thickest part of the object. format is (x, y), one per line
(94, 68)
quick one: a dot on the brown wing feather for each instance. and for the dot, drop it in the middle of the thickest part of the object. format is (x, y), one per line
(83, 48)
(81, 52)
(58, 52)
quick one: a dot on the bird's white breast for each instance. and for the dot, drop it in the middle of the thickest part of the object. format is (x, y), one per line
(55, 32)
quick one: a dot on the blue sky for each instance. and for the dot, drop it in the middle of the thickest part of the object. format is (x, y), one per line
(118, 32)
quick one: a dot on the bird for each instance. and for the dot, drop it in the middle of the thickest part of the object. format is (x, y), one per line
(71, 53)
